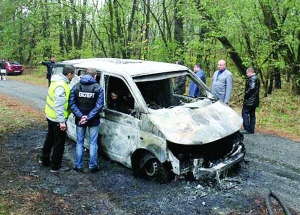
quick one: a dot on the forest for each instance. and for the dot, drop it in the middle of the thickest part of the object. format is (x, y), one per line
(263, 34)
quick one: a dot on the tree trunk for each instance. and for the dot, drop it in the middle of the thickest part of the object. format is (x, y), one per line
(120, 36)
(111, 34)
(233, 53)
(82, 25)
(178, 28)
(296, 84)
(130, 26)
(270, 88)
(147, 32)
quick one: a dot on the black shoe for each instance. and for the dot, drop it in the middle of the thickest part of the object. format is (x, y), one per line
(245, 131)
(41, 162)
(79, 170)
(93, 170)
(61, 169)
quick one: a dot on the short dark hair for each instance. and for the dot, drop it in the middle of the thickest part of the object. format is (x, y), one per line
(180, 62)
(68, 69)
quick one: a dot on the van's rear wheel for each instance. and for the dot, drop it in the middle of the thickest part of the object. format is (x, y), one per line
(153, 169)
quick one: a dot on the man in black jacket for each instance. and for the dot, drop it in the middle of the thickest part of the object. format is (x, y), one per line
(49, 66)
(251, 101)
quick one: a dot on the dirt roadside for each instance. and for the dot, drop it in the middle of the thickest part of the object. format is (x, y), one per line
(26, 188)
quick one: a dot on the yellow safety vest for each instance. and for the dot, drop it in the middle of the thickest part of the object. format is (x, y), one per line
(49, 108)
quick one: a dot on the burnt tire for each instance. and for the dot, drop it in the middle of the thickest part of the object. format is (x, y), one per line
(151, 168)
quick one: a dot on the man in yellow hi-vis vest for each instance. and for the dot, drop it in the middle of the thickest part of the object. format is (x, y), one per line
(57, 112)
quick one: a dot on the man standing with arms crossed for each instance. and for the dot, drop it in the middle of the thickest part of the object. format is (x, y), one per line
(222, 82)
(57, 112)
(86, 102)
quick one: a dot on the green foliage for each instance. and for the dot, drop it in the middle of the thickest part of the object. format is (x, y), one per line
(31, 30)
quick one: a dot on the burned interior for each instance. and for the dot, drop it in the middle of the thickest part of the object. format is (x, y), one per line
(158, 91)
(118, 96)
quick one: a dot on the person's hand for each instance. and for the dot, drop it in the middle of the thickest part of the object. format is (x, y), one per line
(83, 120)
(63, 126)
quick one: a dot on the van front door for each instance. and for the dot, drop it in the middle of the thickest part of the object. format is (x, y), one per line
(118, 128)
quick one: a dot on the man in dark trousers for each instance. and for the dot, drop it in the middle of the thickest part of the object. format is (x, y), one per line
(49, 66)
(2, 70)
(86, 102)
(57, 112)
(251, 101)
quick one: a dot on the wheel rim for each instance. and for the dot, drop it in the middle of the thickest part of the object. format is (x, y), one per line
(151, 168)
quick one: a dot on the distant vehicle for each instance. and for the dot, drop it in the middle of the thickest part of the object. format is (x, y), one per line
(13, 67)
(154, 130)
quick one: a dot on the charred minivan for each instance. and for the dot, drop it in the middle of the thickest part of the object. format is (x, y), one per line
(147, 126)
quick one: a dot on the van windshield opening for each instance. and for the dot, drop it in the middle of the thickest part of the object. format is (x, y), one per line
(164, 92)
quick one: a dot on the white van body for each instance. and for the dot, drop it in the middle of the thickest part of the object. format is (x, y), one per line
(155, 131)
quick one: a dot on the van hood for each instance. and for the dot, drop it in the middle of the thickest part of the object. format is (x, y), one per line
(196, 123)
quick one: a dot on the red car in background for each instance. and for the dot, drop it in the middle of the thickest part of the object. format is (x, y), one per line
(13, 67)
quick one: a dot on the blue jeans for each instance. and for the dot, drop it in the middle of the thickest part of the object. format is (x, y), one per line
(93, 137)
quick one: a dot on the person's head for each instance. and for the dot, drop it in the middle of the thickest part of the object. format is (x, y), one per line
(197, 67)
(249, 72)
(113, 96)
(69, 72)
(91, 71)
(52, 59)
(221, 65)
(180, 62)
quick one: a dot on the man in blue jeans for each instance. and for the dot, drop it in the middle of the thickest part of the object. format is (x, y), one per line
(86, 102)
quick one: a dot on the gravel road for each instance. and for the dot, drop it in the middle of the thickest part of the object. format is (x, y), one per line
(270, 163)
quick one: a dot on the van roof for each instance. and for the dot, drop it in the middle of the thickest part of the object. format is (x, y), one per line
(131, 67)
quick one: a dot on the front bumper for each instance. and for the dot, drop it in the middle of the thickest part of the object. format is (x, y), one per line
(200, 172)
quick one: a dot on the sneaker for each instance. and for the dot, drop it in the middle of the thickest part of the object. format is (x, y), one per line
(95, 169)
(61, 169)
(79, 170)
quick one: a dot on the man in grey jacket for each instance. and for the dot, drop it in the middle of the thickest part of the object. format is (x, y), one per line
(222, 82)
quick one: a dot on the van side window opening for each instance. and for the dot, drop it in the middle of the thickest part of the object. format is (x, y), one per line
(118, 96)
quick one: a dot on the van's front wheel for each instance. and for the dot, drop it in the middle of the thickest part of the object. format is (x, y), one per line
(153, 169)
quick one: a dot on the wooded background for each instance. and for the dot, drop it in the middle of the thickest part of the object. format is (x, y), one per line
(264, 34)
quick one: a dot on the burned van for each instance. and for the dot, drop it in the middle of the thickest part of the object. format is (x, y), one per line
(149, 127)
